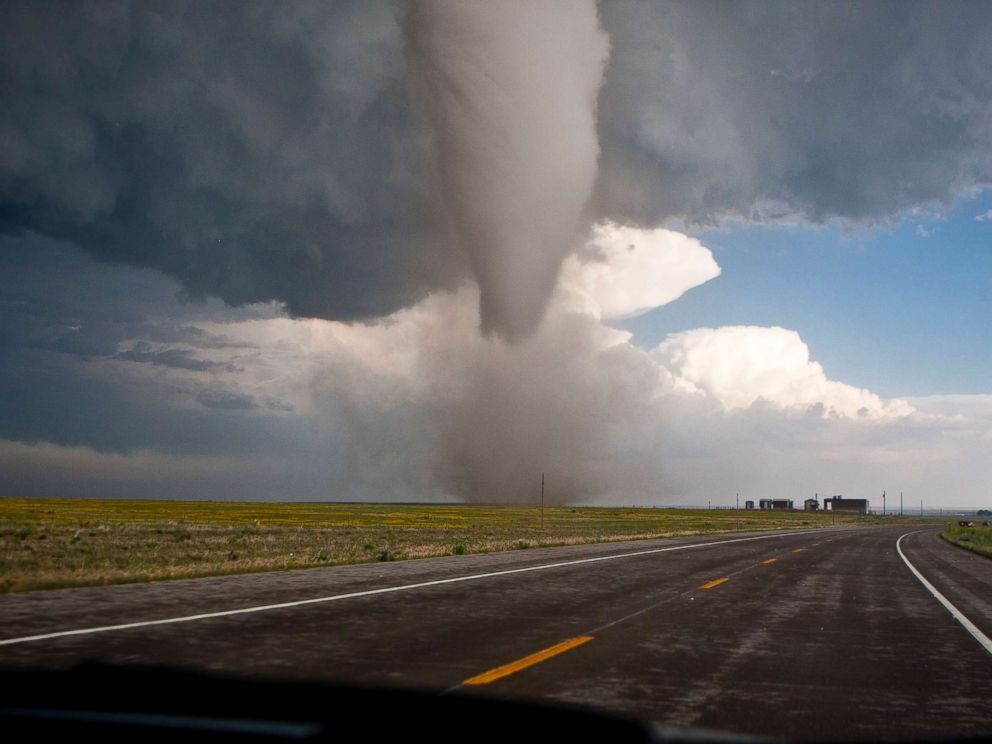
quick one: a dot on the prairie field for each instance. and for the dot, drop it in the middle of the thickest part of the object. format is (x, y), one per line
(52, 543)
(976, 539)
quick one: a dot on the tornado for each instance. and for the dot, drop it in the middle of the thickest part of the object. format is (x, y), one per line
(509, 90)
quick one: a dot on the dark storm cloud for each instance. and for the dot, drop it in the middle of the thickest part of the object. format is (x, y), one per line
(226, 400)
(254, 151)
(819, 110)
(143, 352)
(66, 320)
(59, 399)
(263, 151)
(54, 298)
(176, 333)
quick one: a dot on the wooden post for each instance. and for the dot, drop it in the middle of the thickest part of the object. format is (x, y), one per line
(542, 499)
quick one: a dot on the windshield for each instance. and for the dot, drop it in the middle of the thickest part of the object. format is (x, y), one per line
(629, 357)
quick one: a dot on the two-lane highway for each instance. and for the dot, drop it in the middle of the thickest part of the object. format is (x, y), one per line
(811, 635)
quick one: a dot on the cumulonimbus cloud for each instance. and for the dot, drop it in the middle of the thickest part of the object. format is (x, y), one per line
(427, 405)
(742, 365)
(261, 152)
(265, 152)
(421, 406)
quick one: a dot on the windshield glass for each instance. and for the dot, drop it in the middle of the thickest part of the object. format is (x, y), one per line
(628, 356)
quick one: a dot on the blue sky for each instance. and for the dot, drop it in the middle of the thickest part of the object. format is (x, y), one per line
(894, 308)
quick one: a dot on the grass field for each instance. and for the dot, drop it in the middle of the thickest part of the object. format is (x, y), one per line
(976, 539)
(50, 543)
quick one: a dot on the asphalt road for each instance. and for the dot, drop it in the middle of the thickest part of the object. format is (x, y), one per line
(824, 635)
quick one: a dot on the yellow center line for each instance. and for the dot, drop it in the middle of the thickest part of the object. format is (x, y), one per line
(770, 560)
(799, 550)
(715, 582)
(507, 669)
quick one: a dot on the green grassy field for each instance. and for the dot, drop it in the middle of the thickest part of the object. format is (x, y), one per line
(976, 539)
(49, 543)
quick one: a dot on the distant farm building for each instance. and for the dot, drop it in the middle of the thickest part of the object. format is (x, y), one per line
(811, 505)
(784, 504)
(748, 504)
(850, 506)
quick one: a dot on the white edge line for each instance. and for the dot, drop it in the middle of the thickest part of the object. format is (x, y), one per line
(955, 612)
(383, 590)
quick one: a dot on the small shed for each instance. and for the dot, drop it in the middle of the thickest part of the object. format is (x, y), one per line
(779, 504)
(848, 506)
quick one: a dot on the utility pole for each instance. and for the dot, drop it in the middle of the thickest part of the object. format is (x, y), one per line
(921, 507)
(738, 512)
(542, 499)
(883, 503)
(900, 503)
